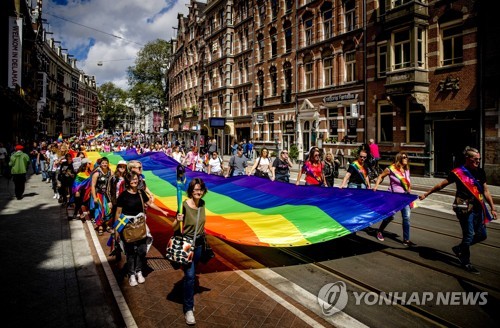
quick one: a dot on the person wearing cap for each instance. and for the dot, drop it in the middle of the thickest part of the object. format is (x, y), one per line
(19, 166)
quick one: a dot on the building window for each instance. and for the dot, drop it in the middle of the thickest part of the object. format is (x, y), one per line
(240, 69)
(350, 15)
(397, 3)
(221, 76)
(288, 36)
(261, 47)
(309, 75)
(274, 80)
(452, 45)
(402, 49)
(289, 5)
(221, 103)
(327, 21)
(260, 77)
(350, 66)
(415, 124)
(243, 9)
(385, 123)
(222, 21)
(262, 15)
(275, 8)
(246, 69)
(274, 42)
(333, 123)
(382, 60)
(421, 47)
(308, 26)
(328, 71)
(287, 68)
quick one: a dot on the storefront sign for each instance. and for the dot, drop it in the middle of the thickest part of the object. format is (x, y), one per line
(185, 127)
(259, 118)
(289, 127)
(340, 97)
(15, 52)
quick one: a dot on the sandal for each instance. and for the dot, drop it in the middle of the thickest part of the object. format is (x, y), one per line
(100, 231)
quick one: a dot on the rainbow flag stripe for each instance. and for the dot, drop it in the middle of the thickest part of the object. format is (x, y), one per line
(255, 211)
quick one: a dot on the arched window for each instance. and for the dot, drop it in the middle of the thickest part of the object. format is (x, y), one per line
(274, 42)
(308, 28)
(275, 8)
(327, 14)
(308, 73)
(288, 36)
(274, 80)
(260, 40)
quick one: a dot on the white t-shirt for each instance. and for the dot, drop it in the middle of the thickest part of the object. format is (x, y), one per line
(215, 165)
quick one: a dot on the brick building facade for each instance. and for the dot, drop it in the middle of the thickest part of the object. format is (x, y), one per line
(338, 73)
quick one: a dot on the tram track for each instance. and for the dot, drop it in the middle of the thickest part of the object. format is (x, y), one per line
(413, 309)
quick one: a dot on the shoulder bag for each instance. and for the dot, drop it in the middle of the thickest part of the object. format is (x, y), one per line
(180, 248)
(135, 229)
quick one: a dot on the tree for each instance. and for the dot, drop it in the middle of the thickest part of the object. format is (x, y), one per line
(112, 105)
(147, 79)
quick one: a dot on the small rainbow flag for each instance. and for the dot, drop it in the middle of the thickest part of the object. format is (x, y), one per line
(60, 138)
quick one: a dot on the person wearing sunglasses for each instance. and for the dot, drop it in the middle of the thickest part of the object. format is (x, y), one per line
(357, 174)
(399, 182)
(312, 169)
(470, 204)
(281, 167)
(136, 166)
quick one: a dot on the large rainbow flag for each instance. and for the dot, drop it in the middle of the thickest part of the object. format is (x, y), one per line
(255, 211)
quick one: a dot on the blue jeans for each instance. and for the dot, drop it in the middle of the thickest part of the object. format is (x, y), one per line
(473, 231)
(405, 213)
(34, 165)
(190, 279)
(43, 169)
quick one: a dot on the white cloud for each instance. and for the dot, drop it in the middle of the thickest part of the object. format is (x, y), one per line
(110, 31)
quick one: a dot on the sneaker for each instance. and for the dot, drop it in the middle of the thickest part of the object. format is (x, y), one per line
(132, 281)
(140, 277)
(471, 269)
(190, 318)
(380, 236)
(55, 196)
(409, 243)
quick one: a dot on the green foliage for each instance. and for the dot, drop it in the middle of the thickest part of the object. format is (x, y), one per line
(293, 152)
(112, 108)
(148, 77)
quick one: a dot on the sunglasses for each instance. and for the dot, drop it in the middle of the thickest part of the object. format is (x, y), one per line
(404, 156)
(284, 152)
(363, 157)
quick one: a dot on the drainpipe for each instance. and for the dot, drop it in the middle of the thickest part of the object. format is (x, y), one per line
(480, 54)
(365, 75)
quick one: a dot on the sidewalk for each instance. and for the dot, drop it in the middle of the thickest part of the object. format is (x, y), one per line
(49, 275)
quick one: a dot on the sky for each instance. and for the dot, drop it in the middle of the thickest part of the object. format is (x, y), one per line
(110, 32)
